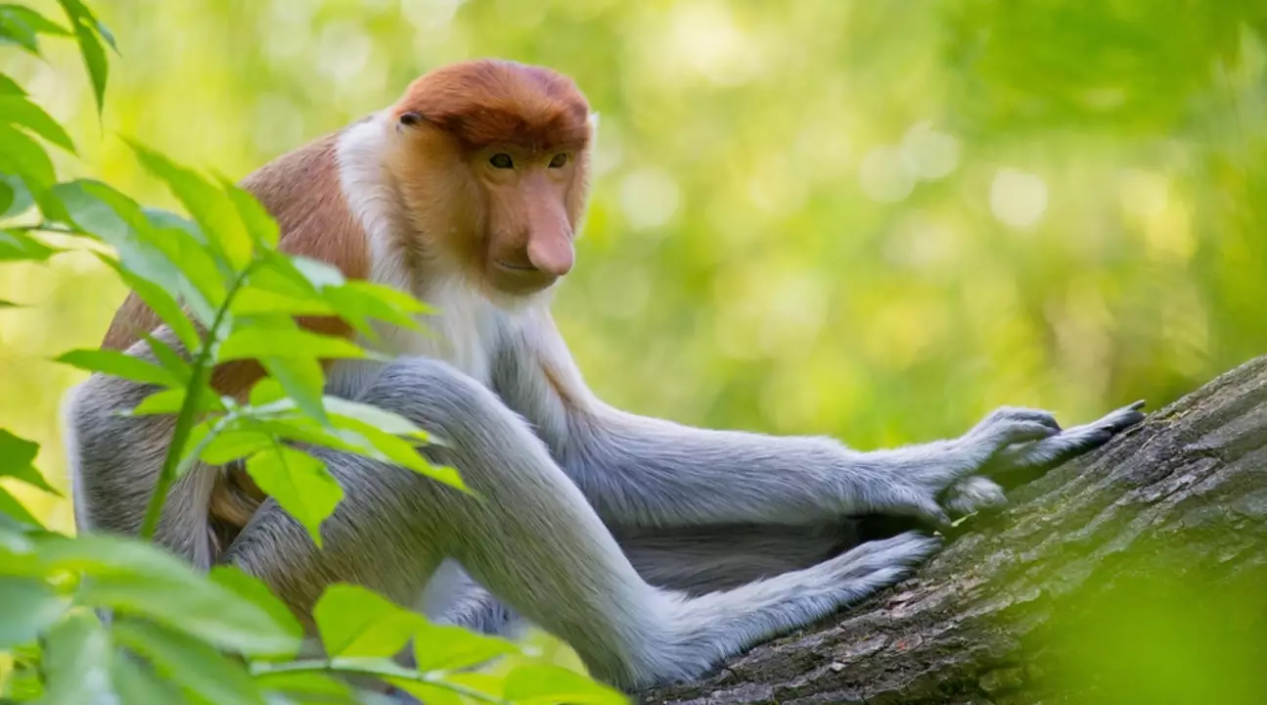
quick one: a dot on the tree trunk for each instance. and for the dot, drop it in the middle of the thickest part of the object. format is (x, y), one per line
(1137, 574)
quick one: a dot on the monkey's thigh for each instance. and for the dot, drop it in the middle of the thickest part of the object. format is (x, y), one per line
(526, 533)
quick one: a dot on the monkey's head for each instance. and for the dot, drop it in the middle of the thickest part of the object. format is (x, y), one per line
(493, 166)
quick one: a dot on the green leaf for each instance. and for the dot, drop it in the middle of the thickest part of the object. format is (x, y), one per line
(11, 506)
(87, 29)
(170, 360)
(232, 445)
(440, 647)
(196, 666)
(319, 274)
(380, 419)
(268, 392)
(15, 246)
(17, 460)
(355, 621)
(141, 578)
(435, 694)
(259, 342)
(169, 401)
(137, 684)
(356, 301)
(22, 25)
(261, 226)
(20, 199)
(206, 287)
(120, 364)
(353, 436)
(9, 304)
(303, 381)
(20, 111)
(27, 608)
(254, 590)
(299, 483)
(210, 207)
(253, 301)
(540, 684)
(8, 86)
(110, 216)
(161, 302)
(389, 448)
(77, 662)
(26, 158)
(308, 687)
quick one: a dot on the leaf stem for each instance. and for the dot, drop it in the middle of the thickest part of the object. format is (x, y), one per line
(45, 227)
(188, 409)
(370, 668)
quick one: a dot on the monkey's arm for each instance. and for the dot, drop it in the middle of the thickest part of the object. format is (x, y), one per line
(640, 471)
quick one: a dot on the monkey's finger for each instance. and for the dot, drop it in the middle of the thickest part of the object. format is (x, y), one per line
(932, 513)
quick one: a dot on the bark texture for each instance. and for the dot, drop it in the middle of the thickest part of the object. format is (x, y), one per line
(1135, 574)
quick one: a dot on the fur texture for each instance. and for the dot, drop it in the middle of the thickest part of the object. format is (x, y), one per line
(654, 549)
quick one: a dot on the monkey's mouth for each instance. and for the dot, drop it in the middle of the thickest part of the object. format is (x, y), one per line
(518, 279)
(514, 267)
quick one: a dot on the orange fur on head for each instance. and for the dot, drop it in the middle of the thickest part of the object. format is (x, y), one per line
(509, 228)
(486, 101)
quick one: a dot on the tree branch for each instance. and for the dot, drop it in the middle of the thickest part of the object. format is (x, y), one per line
(1135, 574)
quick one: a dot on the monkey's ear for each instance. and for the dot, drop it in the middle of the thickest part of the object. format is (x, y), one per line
(411, 119)
(592, 121)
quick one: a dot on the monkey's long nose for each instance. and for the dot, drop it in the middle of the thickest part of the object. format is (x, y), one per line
(551, 254)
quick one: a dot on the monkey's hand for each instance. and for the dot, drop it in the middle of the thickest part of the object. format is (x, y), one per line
(980, 493)
(919, 476)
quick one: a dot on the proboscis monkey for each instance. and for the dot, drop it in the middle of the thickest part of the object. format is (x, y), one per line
(468, 193)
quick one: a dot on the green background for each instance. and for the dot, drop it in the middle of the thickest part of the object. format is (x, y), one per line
(875, 220)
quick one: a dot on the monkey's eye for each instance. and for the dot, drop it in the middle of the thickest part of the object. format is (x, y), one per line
(558, 161)
(501, 160)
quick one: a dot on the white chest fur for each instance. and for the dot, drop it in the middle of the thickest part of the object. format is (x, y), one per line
(465, 330)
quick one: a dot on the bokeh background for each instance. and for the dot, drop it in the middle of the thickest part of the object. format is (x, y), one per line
(874, 219)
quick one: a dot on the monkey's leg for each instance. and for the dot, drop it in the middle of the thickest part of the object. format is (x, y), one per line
(535, 542)
(115, 461)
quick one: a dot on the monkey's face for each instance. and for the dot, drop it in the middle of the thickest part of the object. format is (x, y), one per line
(493, 164)
(505, 215)
(530, 215)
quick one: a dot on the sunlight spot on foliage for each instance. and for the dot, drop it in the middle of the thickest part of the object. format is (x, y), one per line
(1144, 194)
(795, 310)
(823, 148)
(1169, 235)
(343, 53)
(649, 198)
(287, 25)
(1082, 324)
(775, 187)
(609, 148)
(278, 124)
(902, 330)
(922, 242)
(929, 154)
(429, 14)
(883, 175)
(705, 39)
(1163, 220)
(1018, 198)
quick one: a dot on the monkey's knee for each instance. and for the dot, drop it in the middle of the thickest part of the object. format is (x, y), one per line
(439, 398)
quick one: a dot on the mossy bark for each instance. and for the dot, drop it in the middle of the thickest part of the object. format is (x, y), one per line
(1135, 574)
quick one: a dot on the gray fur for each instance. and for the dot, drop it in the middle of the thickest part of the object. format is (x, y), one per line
(653, 549)
(574, 581)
